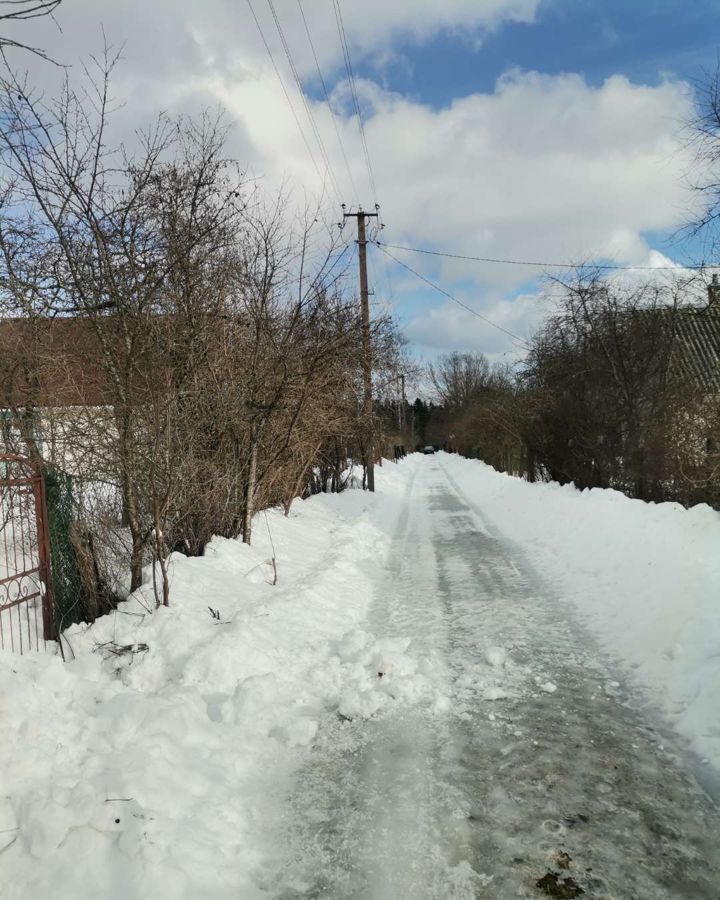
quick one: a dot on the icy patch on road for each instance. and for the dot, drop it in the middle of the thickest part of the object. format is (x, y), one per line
(644, 577)
(537, 766)
(498, 677)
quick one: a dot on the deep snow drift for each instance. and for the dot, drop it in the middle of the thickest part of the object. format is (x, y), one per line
(158, 762)
(153, 770)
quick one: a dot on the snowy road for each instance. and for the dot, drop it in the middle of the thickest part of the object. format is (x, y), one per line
(543, 768)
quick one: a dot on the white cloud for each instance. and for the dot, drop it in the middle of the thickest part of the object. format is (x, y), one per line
(185, 36)
(451, 327)
(542, 168)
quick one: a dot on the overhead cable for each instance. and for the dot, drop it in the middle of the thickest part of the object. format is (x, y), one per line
(287, 96)
(546, 265)
(354, 95)
(450, 296)
(308, 110)
(327, 98)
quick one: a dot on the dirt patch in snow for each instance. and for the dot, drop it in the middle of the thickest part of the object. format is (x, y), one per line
(555, 885)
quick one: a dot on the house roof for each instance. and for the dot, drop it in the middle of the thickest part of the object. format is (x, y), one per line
(58, 362)
(697, 335)
(50, 362)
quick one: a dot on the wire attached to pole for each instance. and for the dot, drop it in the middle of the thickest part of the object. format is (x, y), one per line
(474, 312)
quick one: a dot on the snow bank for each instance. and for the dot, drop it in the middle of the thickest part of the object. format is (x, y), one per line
(155, 764)
(645, 578)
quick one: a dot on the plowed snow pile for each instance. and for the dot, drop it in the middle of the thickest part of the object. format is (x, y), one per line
(154, 762)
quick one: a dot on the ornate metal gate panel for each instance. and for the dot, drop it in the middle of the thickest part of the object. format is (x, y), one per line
(26, 608)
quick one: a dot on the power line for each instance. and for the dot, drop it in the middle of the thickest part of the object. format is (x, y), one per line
(383, 268)
(450, 296)
(358, 107)
(327, 98)
(386, 268)
(545, 265)
(354, 95)
(287, 96)
(308, 110)
(340, 253)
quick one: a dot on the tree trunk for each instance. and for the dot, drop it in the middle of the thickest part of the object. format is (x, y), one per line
(26, 424)
(136, 562)
(138, 544)
(250, 484)
(530, 464)
(160, 555)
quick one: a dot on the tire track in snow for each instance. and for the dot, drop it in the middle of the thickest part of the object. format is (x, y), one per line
(478, 803)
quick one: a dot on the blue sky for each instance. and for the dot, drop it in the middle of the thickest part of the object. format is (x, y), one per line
(643, 39)
(529, 129)
(649, 43)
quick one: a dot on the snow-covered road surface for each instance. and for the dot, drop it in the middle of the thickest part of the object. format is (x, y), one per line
(463, 686)
(542, 768)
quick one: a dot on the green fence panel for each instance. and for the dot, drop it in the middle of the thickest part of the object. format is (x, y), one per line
(69, 593)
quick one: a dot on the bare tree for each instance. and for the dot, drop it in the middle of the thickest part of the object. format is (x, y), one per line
(222, 356)
(480, 406)
(14, 11)
(704, 137)
(460, 379)
(296, 332)
(128, 236)
(605, 384)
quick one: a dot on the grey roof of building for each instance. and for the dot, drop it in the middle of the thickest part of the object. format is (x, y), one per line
(697, 333)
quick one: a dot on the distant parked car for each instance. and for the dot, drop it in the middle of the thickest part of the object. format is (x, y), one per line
(428, 449)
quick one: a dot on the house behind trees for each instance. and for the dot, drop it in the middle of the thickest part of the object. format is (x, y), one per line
(620, 388)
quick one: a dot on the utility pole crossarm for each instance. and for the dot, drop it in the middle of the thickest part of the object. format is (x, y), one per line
(361, 216)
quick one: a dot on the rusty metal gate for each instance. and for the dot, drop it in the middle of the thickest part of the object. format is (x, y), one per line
(26, 608)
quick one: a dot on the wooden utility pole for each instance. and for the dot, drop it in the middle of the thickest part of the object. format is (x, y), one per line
(360, 216)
